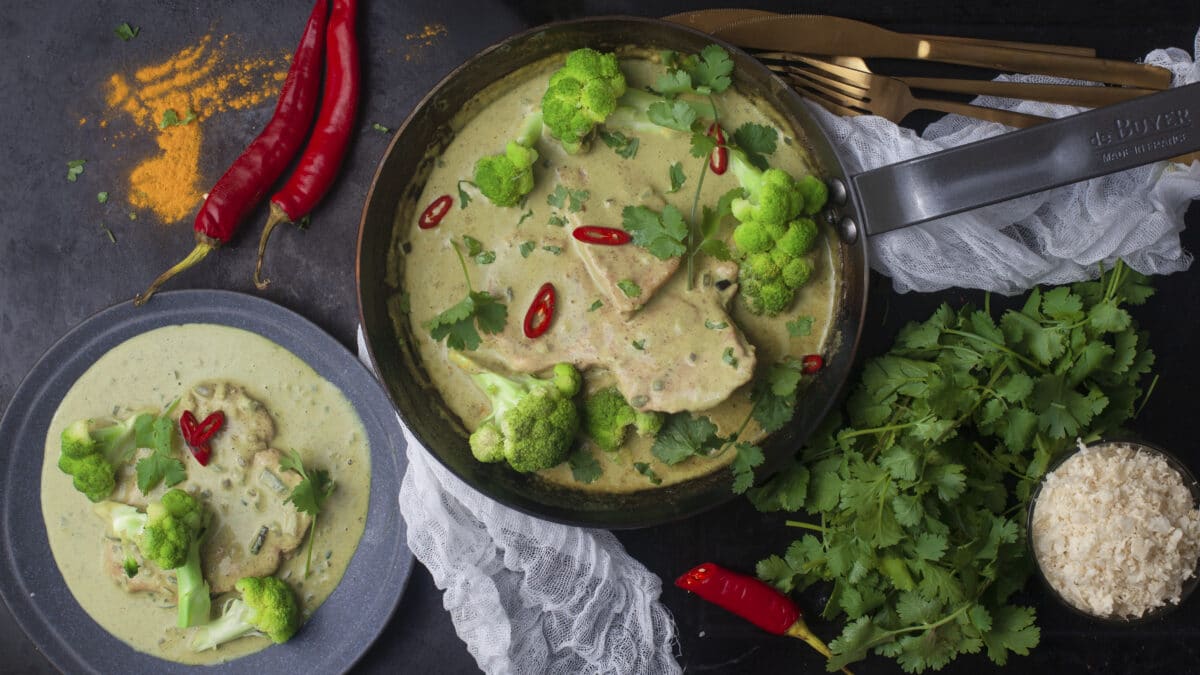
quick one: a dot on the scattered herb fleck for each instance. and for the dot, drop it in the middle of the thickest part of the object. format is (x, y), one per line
(800, 327)
(463, 198)
(556, 250)
(557, 220)
(630, 288)
(678, 178)
(563, 197)
(525, 216)
(644, 469)
(728, 357)
(625, 146)
(74, 168)
(108, 233)
(170, 118)
(595, 306)
(527, 248)
(127, 32)
(639, 345)
(715, 325)
(380, 128)
(102, 197)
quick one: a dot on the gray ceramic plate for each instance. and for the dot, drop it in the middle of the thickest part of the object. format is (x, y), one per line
(338, 633)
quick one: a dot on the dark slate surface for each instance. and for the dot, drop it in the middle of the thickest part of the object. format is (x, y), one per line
(56, 268)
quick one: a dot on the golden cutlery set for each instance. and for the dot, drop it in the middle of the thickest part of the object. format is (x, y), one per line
(822, 58)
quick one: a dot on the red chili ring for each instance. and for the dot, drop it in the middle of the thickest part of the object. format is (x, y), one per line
(718, 159)
(541, 312)
(433, 214)
(604, 236)
(811, 363)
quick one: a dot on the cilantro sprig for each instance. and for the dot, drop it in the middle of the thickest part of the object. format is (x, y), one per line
(913, 507)
(158, 433)
(478, 311)
(309, 494)
(662, 234)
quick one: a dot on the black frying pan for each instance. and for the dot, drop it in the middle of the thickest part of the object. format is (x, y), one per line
(1103, 141)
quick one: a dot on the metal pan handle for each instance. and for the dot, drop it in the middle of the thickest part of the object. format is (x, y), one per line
(1106, 140)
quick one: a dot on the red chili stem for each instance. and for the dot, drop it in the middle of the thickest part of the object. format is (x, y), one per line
(318, 167)
(433, 214)
(540, 313)
(245, 182)
(603, 236)
(718, 159)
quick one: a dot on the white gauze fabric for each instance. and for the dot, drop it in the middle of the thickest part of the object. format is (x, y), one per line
(527, 595)
(1052, 237)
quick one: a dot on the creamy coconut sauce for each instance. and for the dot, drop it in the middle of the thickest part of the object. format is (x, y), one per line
(151, 370)
(434, 280)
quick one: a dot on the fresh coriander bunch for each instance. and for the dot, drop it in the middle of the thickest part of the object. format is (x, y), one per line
(916, 506)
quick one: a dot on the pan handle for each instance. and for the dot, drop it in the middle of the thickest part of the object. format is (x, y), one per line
(1106, 140)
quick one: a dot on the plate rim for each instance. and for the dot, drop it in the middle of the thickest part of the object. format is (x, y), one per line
(32, 406)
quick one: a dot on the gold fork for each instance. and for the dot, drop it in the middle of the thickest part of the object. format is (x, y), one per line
(847, 91)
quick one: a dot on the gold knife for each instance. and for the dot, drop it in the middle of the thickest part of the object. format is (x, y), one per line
(835, 36)
(712, 20)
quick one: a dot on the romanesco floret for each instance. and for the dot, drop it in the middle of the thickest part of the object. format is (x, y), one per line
(169, 534)
(507, 177)
(773, 235)
(581, 95)
(608, 416)
(267, 607)
(533, 421)
(91, 453)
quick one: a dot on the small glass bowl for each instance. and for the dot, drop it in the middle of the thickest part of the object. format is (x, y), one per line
(1189, 584)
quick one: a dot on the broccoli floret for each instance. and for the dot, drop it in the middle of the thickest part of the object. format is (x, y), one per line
(506, 178)
(267, 607)
(772, 234)
(533, 421)
(169, 534)
(91, 452)
(581, 95)
(608, 416)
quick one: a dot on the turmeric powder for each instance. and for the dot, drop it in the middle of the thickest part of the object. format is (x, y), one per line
(200, 80)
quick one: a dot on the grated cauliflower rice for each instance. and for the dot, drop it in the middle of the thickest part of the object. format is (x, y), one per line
(1115, 531)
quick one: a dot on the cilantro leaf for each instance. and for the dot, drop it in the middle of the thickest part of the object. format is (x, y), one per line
(748, 457)
(623, 145)
(158, 433)
(673, 83)
(702, 145)
(676, 115)
(584, 467)
(563, 197)
(526, 248)
(662, 234)
(557, 220)
(630, 288)
(800, 327)
(457, 325)
(711, 73)
(596, 305)
(644, 469)
(525, 216)
(677, 177)
(1012, 630)
(464, 199)
(683, 436)
(757, 141)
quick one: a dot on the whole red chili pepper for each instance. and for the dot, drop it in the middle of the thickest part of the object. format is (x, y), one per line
(197, 434)
(318, 166)
(435, 212)
(718, 159)
(752, 600)
(267, 156)
(811, 363)
(541, 312)
(604, 236)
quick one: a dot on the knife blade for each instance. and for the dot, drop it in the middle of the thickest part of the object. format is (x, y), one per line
(835, 36)
(711, 20)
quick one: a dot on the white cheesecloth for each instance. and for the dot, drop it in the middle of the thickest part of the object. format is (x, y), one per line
(1050, 237)
(530, 596)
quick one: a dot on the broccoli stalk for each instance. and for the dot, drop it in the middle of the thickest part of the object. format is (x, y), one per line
(267, 607)
(581, 95)
(533, 421)
(632, 106)
(91, 452)
(608, 416)
(169, 535)
(774, 233)
(507, 177)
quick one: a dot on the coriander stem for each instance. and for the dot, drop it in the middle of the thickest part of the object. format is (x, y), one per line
(1149, 390)
(463, 263)
(807, 526)
(997, 345)
(691, 283)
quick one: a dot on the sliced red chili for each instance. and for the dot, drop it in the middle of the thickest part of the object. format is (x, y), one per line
(433, 214)
(196, 434)
(541, 312)
(718, 159)
(811, 363)
(604, 236)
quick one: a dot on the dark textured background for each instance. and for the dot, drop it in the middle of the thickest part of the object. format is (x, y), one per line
(56, 268)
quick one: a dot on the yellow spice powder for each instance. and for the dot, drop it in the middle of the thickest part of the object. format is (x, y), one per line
(200, 79)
